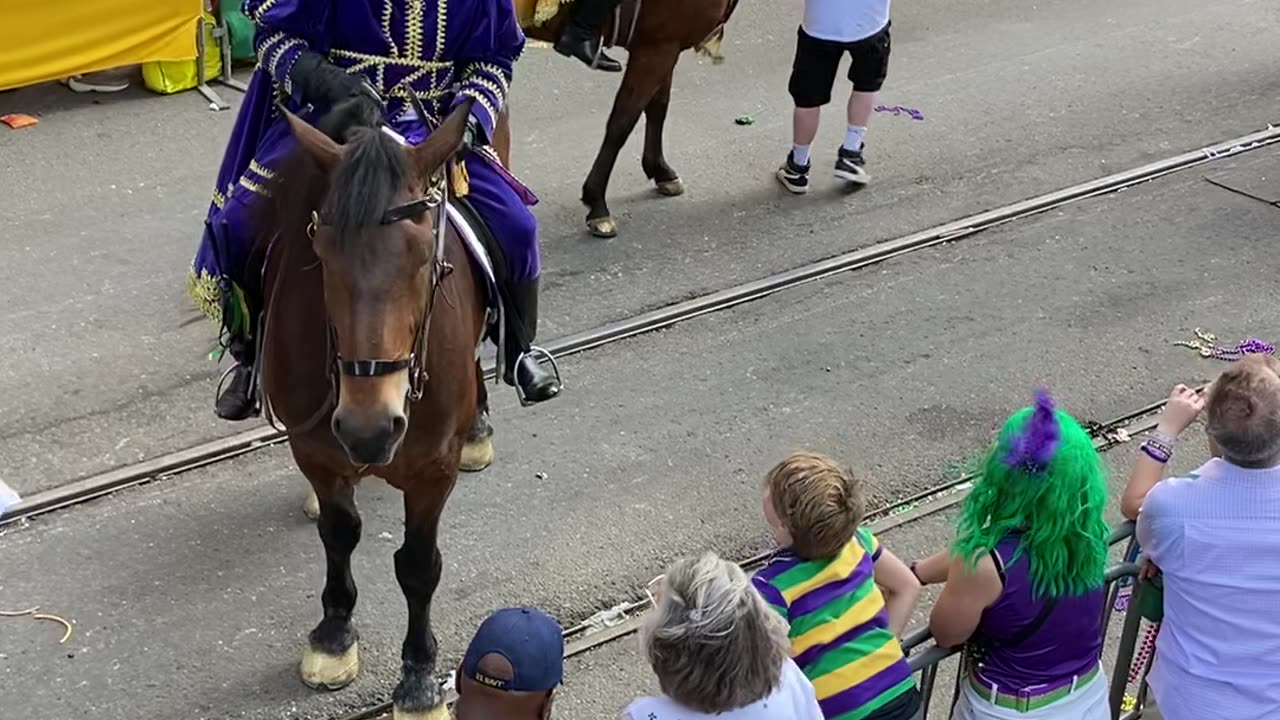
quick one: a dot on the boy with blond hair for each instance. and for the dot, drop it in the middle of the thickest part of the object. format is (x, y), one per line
(826, 581)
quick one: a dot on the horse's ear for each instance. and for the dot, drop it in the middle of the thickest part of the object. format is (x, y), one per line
(319, 146)
(443, 143)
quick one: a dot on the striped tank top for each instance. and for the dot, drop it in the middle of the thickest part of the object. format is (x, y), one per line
(840, 634)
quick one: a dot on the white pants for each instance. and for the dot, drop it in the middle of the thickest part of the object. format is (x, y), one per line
(1088, 702)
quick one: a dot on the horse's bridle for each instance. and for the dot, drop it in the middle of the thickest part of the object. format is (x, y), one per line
(434, 199)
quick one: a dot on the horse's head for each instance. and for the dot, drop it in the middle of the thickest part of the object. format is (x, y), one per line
(374, 233)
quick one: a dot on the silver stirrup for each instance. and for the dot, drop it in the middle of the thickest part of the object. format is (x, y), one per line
(536, 353)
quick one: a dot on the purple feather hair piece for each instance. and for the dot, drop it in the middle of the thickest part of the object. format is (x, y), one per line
(1033, 448)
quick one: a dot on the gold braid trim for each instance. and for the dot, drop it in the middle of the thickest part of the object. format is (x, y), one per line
(252, 186)
(264, 172)
(499, 94)
(494, 74)
(442, 26)
(262, 10)
(413, 29)
(219, 200)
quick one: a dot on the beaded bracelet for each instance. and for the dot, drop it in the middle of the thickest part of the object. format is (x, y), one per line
(1157, 454)
(1158, 447)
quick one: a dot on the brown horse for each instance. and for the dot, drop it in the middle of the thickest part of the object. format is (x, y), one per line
(372, 319)
(654, 32)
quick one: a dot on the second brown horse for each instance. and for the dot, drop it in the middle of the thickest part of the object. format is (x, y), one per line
(662, 30)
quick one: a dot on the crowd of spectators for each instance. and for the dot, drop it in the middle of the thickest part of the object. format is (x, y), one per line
(815, 632)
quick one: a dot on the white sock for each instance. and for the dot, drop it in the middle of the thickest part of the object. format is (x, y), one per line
(800, 153)
(853, 137)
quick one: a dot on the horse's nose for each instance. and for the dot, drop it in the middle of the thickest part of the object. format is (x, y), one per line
(369, 439)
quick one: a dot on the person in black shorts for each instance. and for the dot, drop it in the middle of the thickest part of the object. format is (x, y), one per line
(820, 47)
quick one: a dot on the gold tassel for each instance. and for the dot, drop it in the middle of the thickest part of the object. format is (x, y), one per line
(459, 181)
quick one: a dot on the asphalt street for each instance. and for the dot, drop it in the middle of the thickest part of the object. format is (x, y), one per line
(192, 596)
(106, 361)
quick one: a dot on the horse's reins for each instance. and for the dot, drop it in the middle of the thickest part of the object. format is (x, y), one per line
(437, 198)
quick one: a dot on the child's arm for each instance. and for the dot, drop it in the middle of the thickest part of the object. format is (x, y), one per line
(1180, 411)
(933, 569)
(968, 593)
(900, 587)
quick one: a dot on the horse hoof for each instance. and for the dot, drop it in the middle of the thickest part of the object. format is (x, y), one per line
(603, 227)
(311, 506)
(477, 455)
(671, 188)
(322, 671)
(440, 712)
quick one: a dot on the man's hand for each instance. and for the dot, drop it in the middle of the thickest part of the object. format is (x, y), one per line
(1183, 407)
(1148, 570)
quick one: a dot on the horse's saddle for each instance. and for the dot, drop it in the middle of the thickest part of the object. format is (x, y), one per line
(484, 251)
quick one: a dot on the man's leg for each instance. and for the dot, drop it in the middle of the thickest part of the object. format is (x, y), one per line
(813, 72)
(229, 234)
(516, 231)
(581, 35)
(867, 72)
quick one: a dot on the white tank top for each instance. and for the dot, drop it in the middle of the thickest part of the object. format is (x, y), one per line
(793, 700)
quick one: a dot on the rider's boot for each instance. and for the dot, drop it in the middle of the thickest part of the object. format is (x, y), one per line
(238, 399)
(534, 381)
(581, 35)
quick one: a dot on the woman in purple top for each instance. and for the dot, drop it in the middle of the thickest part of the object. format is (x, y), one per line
(1024, 577)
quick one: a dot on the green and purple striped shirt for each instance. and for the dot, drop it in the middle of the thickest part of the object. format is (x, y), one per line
(840, 633)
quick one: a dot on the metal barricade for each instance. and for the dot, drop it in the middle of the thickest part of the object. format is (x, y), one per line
(927, 661)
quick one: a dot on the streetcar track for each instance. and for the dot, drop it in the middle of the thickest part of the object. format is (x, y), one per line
(580, 638)
(174, 463)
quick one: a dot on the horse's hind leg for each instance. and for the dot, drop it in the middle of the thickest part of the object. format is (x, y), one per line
(647, 68)
(332, 657)
(478, 453)
(653, 161)
(418, 568)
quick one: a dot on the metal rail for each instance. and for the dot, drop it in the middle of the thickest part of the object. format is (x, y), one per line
(170, 464)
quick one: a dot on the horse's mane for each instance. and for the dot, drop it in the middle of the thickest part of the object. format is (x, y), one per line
(374, 170)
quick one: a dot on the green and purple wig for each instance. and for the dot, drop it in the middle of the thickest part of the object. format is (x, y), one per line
(1043, 477)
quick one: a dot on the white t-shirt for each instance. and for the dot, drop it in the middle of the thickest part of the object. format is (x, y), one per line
(845, 20)
(793, 700)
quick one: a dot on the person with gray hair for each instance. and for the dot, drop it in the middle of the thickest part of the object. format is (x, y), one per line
(718, 650)
(1214, 535)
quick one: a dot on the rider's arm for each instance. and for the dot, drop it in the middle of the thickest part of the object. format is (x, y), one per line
(485, 61)
(288, 33)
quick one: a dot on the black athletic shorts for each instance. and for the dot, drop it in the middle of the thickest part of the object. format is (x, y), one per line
(813, 73)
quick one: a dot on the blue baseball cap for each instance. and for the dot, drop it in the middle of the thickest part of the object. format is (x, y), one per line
(529, 639)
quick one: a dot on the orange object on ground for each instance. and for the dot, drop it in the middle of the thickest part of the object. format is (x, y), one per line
(18, 120)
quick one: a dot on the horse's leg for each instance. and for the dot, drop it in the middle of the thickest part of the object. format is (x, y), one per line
(418, 568)
(478, 453)
(332, 657)
(653, 161)
(311, 505)
(647, 67)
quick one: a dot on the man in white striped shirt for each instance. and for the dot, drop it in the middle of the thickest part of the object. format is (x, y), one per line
(1215, 535)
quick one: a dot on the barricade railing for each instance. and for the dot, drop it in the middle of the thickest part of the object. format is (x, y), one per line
(926, 661)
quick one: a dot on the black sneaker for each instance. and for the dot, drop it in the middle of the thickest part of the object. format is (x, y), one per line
(794, 177)
(851, 166)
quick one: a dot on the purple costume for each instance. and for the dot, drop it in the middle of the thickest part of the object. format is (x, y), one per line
(1067, 644)
(439, 51)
